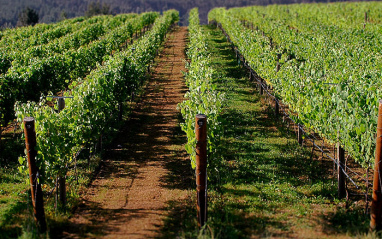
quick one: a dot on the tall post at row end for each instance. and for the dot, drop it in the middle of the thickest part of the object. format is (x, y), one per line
(36, 191)
(62, 178)
(277, 108)
(201, 167)
(376, 204)
(341, 177)
(261, 87)
(299, 134)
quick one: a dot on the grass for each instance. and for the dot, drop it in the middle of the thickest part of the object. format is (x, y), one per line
(14, 192)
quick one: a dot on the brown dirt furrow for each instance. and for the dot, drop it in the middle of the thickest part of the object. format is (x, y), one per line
(146, 167)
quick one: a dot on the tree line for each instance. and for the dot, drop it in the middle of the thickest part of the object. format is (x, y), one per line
(15, 13)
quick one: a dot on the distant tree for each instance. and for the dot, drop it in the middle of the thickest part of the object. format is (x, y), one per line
(63, 15)
(95, 8)
(6, 26)
(28, 17)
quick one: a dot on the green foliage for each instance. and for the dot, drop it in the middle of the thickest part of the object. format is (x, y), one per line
(52, 66)
(93, 109)
(329, 70)
(202, 97)
(13, 201)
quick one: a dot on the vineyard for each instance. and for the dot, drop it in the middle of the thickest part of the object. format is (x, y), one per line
(325, 70)
(287, 90)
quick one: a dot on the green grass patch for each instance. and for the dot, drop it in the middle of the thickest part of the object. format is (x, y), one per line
(14, 208)
(14, 193)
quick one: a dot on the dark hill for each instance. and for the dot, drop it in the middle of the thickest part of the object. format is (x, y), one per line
(54, 10)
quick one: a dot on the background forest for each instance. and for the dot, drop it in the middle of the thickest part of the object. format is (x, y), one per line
(56, 10)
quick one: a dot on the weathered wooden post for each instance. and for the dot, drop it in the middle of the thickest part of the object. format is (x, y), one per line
(61, 178)
(201, 167)
(120, 111)
(278, 62)
(299, 134)
(60, 103)
(340, 170)
(36, 191)
(376, 204)
(277, 108)
(367, 189)
(1, 131)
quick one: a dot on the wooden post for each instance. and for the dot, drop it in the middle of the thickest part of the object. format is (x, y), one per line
(367, 190)
(36, 191)
(1, 132)
(278, 62)
(340, 171)
(299, 134)
(61, 182)
(376, 204)
(271, 42)
(277, 108)
(201, 167)
(120, 111)
(60, 104)
(62, 190)
(100, 142)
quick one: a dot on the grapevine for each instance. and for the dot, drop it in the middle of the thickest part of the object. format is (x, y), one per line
(329, 74)
(92, 110)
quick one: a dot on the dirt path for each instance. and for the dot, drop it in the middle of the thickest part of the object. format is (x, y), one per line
(146, 167)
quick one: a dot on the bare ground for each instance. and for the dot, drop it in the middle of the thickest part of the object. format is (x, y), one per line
(146, 167)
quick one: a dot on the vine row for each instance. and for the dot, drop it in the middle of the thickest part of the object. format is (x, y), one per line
(326, 77)
(202, 97)
(92, 110)
(54, 72)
